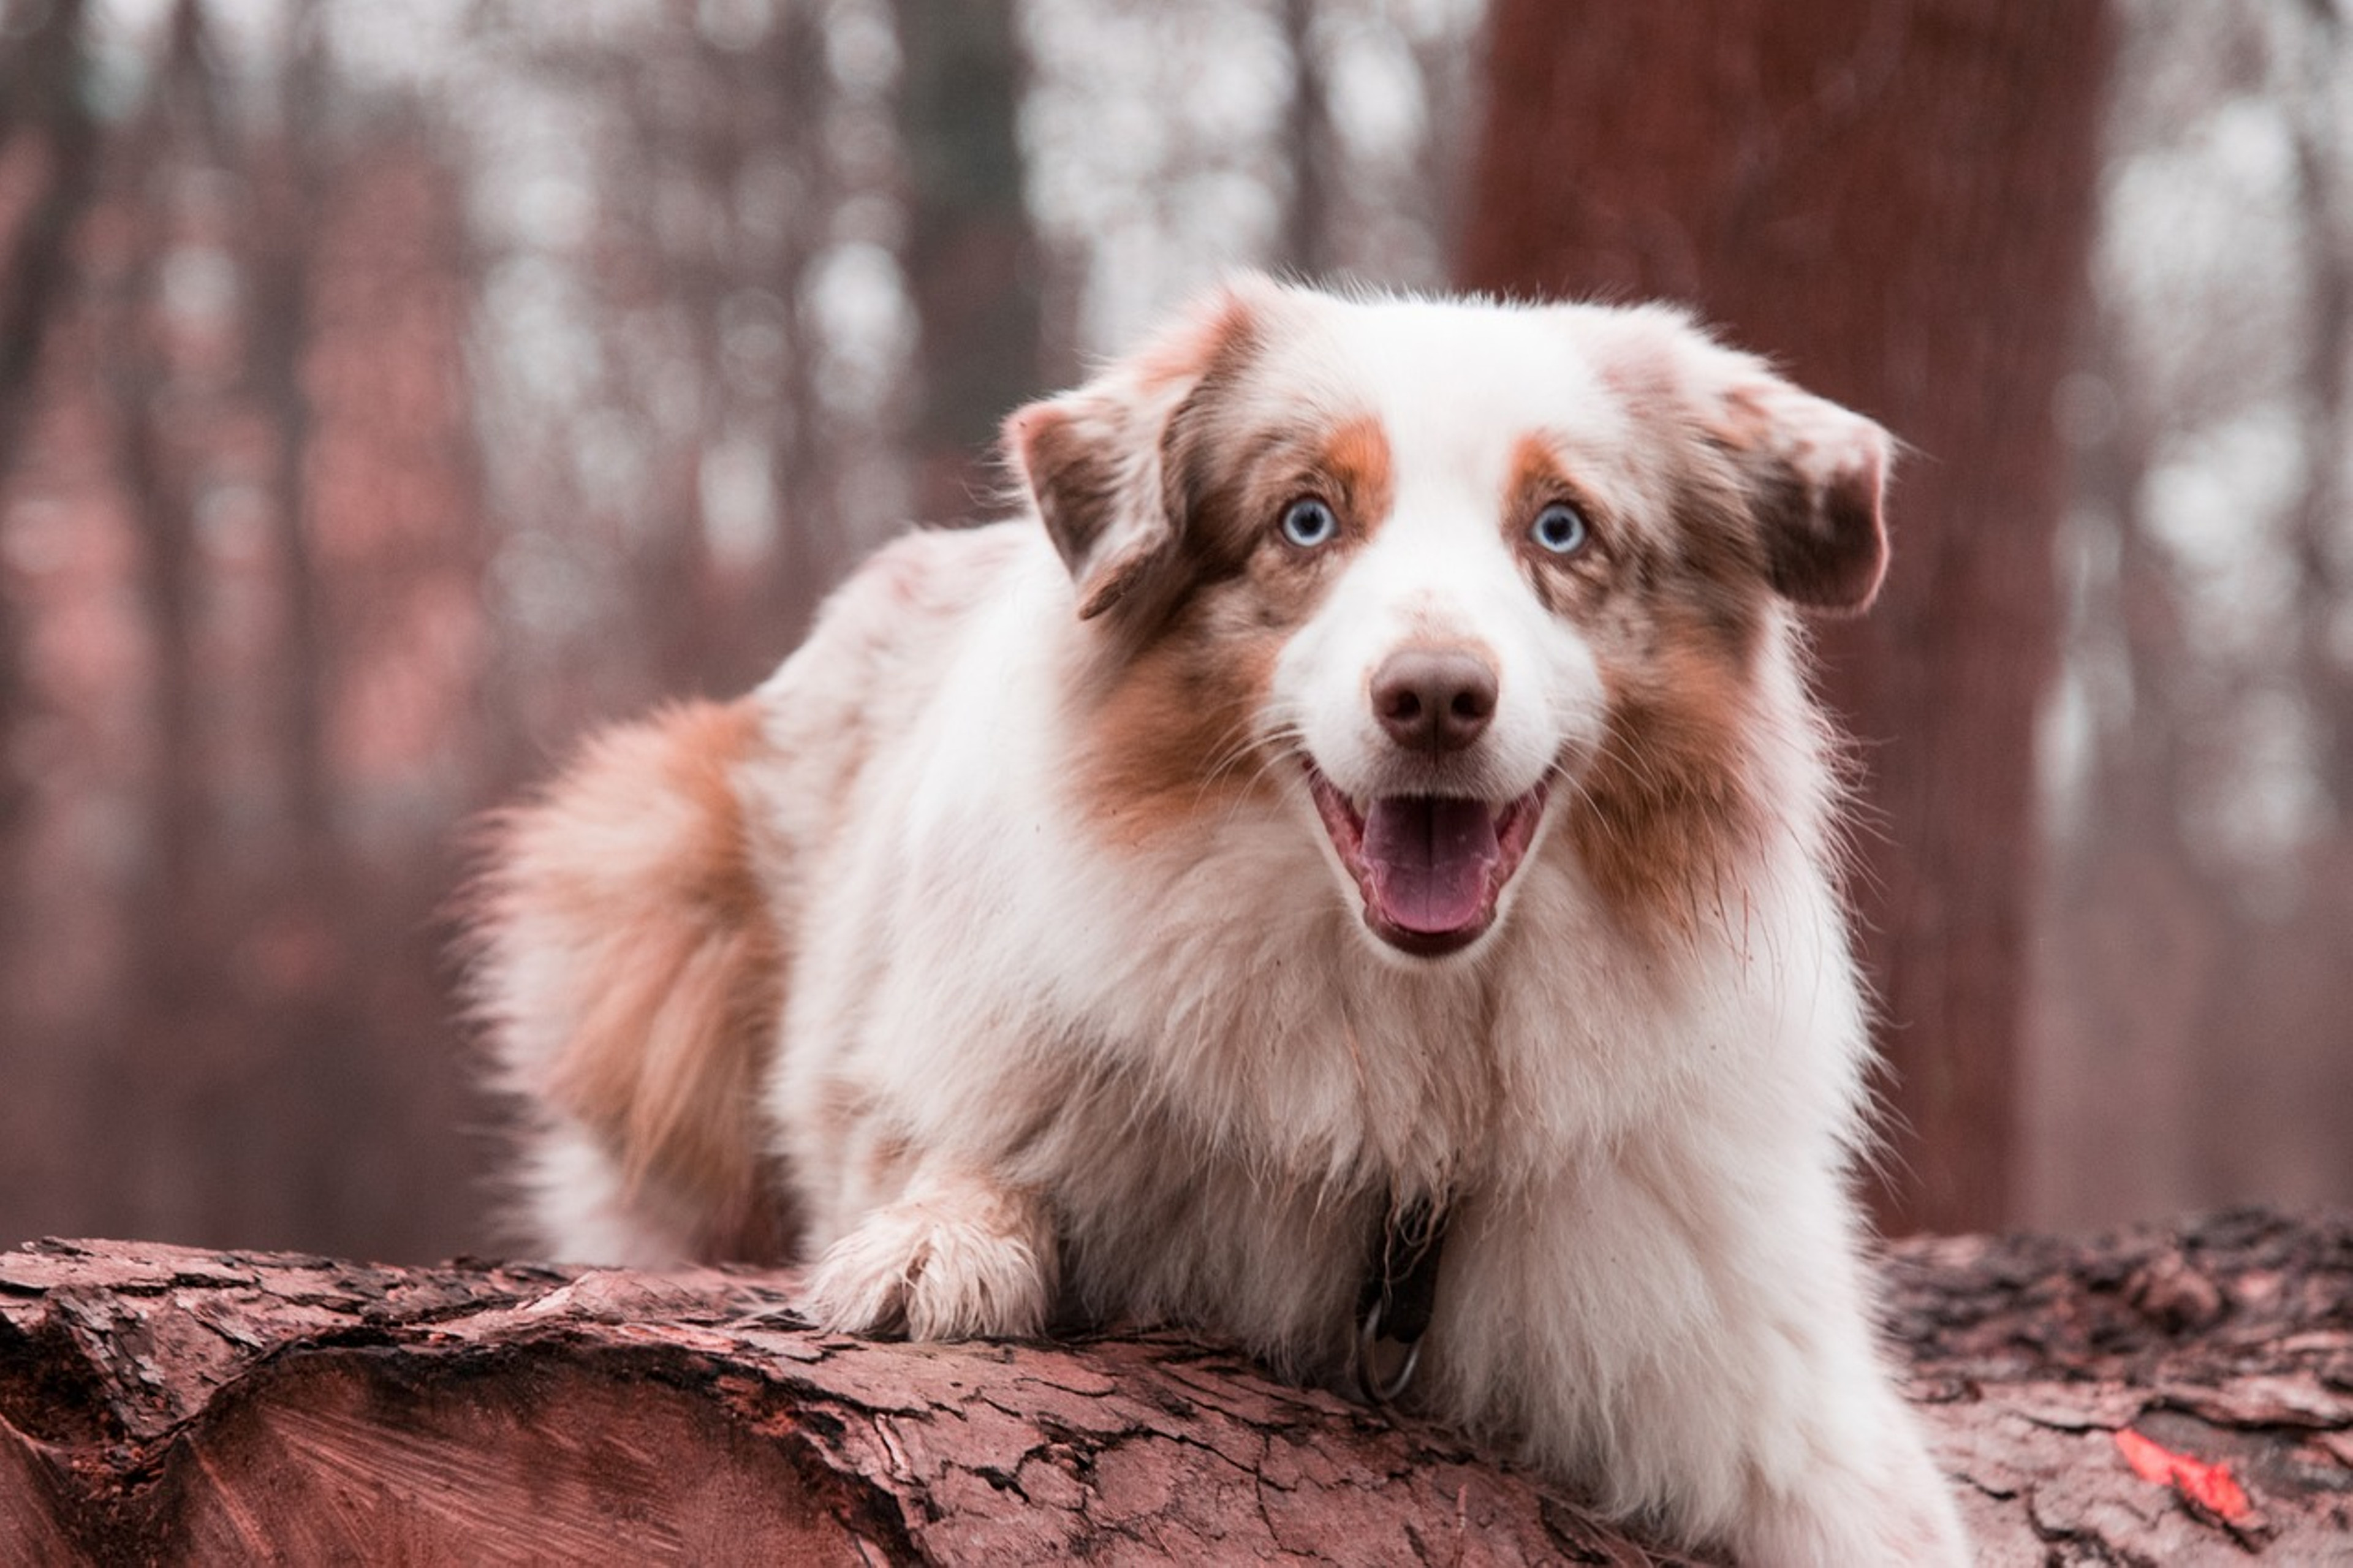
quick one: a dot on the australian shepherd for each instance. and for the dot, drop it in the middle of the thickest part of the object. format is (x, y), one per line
(1352, 868)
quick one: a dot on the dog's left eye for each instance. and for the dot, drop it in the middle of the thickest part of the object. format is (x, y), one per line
(1561, 529)
(1308, 523)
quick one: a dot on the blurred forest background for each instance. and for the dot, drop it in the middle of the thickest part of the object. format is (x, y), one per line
(390, 389)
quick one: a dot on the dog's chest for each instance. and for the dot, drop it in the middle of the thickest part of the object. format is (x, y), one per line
(1246, 1226)
(1230, 1163)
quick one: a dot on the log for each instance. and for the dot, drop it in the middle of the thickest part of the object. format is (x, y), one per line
(2174, 1395)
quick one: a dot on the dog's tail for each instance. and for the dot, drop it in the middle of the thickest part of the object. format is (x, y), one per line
(627, 968)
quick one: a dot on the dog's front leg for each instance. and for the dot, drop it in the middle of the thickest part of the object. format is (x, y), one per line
(1698, 1354)
(959, 1255)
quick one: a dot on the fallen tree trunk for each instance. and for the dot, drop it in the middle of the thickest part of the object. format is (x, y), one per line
(2162, 1396)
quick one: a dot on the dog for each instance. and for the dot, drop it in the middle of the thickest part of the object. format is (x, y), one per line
(1352, 868)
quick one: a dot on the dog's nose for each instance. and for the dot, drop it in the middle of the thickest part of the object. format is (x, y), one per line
(1434, 700)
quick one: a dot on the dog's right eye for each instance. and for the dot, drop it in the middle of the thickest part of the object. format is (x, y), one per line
(1561, 529)
(1308, 523)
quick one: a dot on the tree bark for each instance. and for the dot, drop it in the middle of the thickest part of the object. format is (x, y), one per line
(2180, 1397)
(1894, 200)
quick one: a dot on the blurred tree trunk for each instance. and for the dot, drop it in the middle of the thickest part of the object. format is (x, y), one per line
(42, 103)
(311, 911)
(971, 258)
(1307, 247)
(157, 461)
(2326, 552)
(1894, 200)
(2324, 189)
(175, 909)
(673, 576)
(289, 212)
(2272, 1053)
(2133, 915)
(806, 556)
(41, 107)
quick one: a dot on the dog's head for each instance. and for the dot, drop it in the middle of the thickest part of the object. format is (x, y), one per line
(1435, 573)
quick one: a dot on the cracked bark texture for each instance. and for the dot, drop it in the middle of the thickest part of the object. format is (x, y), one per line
(164, 1404)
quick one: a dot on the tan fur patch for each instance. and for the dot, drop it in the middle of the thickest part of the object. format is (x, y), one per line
(1673, 615)
(1174, 739)
(639, 863)
(1665, 816)
(1174, 734)
(1357, 460)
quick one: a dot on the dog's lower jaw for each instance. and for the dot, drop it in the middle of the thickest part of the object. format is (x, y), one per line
(959, 1258)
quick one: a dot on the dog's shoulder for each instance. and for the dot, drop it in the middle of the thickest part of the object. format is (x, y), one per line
(874, 663)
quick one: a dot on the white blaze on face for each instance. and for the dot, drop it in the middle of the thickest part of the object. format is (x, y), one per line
(1456, 393)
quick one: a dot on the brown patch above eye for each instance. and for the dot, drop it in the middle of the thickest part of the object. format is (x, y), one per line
(1345, 465)
(1699, 564)
(1244, 481)
(1537, 477)
(1356, 462)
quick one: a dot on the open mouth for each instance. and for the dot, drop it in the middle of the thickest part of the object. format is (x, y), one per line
(1430, 867)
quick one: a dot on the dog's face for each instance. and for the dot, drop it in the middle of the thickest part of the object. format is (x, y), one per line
(1440, 574)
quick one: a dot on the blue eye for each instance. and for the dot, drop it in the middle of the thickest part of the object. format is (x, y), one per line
(1308, 523)
(1561, 529)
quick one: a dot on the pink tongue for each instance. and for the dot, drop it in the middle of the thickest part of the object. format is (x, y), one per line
(1430, 858)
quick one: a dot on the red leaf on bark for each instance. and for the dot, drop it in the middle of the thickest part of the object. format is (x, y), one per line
(2211, 1487)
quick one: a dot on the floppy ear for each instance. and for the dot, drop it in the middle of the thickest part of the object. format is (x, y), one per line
(1815, 473)
(1097, 460)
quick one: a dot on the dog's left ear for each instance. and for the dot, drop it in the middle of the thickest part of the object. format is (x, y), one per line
(1815, 475)
(1099, 462)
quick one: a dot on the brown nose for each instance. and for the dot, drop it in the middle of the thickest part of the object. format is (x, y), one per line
(1434, 700)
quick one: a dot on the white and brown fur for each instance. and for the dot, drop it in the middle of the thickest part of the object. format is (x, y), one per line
(993, 956)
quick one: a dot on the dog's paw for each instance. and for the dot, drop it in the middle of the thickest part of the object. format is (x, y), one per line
(936, 1269)
(1880, 1500)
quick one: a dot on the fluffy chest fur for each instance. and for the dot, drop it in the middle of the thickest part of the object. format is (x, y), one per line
(1377, 771)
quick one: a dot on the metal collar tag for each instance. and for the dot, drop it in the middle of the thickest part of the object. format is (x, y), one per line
(1399, 1293)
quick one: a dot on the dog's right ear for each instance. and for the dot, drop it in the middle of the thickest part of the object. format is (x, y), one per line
(1097, 460)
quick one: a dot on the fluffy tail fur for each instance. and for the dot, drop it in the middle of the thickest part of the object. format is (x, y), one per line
(627, 967)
